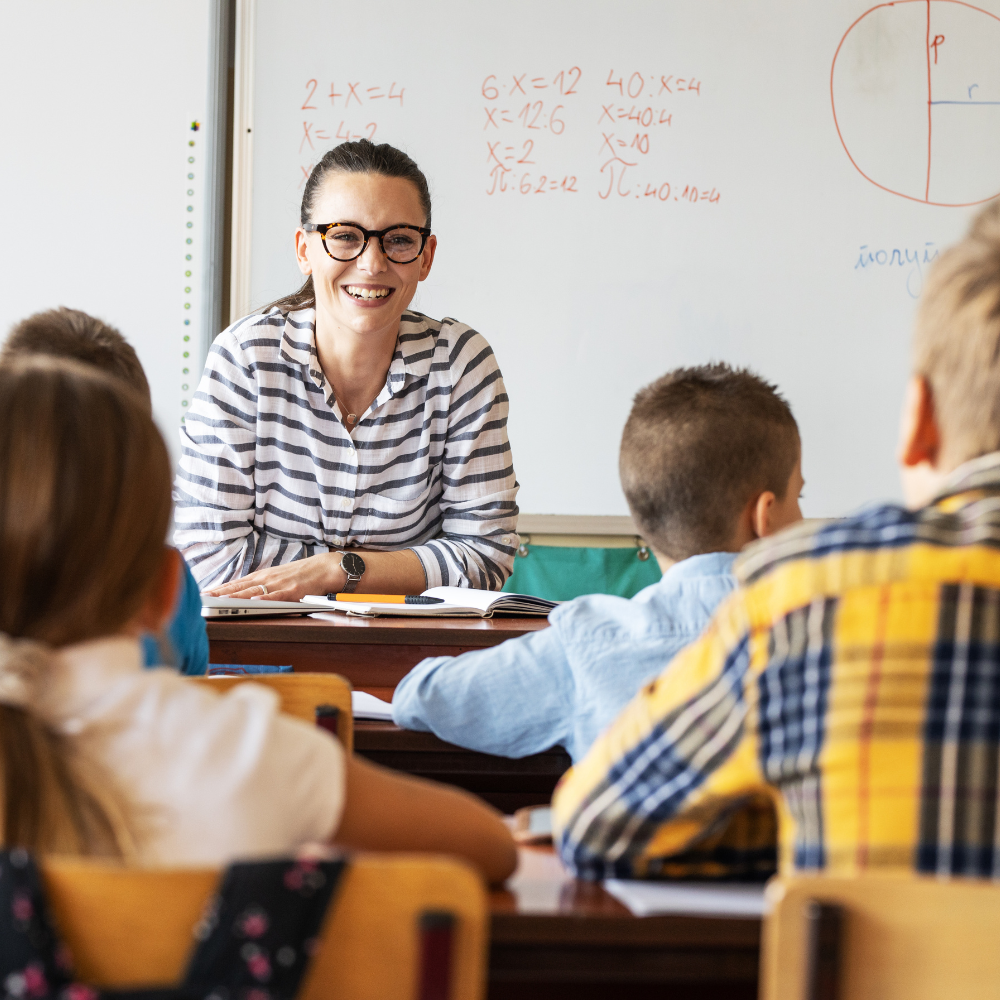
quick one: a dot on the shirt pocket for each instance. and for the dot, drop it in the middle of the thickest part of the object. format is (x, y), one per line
(401, 515)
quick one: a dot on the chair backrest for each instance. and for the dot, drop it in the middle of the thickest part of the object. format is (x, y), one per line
(880, 937)
(307, 696)
(130, 927)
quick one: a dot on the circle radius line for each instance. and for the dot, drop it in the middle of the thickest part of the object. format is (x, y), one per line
(836, 123)
(927, 189)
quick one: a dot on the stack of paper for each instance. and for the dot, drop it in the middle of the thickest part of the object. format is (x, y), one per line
(647, 899)
(367, 706)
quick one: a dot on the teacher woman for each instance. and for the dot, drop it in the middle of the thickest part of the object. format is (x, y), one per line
(339, 442)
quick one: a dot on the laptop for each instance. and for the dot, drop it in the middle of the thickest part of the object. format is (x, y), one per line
(234, 607)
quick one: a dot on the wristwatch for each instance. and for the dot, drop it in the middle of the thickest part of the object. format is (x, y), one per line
(354, 566)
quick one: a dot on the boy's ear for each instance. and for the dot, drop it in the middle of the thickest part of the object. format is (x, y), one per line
(754, 521)
(919, 434)
(162, 599)
(760, 514)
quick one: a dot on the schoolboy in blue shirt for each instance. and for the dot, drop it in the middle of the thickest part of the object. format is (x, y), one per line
(70, 333)
(710, 460)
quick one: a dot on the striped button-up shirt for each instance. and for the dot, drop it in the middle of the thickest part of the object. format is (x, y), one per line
(853, 680)
(269, 473)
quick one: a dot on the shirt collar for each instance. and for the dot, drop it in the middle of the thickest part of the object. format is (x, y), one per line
(85, 672)
(982, 473)
(414, 351)
(412, 358)
(708, 564)
(298, 345)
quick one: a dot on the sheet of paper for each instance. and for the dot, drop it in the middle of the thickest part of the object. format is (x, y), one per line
(466, 597)
(367, 706)
(647, 899)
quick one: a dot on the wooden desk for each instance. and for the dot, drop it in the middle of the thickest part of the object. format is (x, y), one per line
(374, 654)
(504, 783)
(555, 937)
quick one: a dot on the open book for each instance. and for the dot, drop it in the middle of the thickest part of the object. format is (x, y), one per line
(458, 602)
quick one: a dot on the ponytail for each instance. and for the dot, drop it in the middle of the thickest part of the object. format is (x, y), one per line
(54, 799)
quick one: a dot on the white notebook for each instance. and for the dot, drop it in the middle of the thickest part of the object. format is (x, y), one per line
(367, 706)
(458, 602)
(727, 899)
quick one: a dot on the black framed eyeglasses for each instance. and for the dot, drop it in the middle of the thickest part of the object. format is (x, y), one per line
(344, 241)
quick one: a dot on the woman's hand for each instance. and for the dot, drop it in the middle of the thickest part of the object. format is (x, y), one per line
(385, 573)
(290, 582)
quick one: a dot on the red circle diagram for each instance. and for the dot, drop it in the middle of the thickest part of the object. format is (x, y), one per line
(915, 90)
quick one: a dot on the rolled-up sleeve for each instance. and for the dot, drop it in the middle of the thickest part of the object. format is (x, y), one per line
(513, 699)
(214, 491)
(478, 536)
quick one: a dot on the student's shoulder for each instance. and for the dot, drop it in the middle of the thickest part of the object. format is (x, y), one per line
(451, 342)
(276, 780)
(590, 609)
(187, 629)
(196, 702)
(826, 543)
(601, 616)
(188, 714)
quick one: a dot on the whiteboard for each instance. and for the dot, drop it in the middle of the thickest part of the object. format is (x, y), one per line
(623, 187)
(104, 180)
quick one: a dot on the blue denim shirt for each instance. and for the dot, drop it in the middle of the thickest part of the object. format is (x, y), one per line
(564, 684)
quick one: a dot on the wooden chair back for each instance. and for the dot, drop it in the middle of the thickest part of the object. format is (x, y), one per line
(880, 937)
(307, 696)
(128, 927)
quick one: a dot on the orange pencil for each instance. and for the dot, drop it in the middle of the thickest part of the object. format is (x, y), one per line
(386, 598)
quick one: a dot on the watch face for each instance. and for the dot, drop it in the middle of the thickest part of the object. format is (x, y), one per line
(352, 564)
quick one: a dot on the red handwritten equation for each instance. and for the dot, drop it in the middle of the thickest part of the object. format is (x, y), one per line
(349, 110)
(517, 120)
(531, 120)
(536, 129)
(627, 133)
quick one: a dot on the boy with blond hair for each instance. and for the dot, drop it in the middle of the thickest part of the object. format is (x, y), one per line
(854, 678)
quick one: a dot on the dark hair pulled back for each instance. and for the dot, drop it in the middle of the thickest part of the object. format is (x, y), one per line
(361, 157)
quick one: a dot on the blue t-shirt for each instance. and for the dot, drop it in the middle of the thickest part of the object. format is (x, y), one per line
(186, 631)
(564, 684)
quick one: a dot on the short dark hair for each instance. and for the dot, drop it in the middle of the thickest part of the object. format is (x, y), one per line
(359, 157)
(71, 333)
(697, 446)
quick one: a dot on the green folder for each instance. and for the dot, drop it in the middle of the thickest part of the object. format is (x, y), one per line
(560, 574)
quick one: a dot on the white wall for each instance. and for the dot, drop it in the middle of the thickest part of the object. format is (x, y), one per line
(95, 113)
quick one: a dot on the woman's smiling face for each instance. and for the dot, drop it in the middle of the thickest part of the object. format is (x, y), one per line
(370, 293)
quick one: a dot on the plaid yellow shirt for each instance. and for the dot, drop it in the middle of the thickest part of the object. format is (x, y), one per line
(853, 681)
